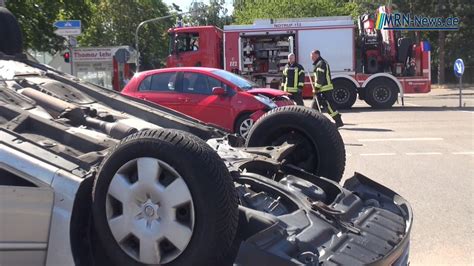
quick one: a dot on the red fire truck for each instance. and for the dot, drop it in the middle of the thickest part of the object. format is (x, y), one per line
(377, 65)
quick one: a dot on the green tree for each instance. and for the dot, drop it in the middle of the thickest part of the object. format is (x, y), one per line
(36, 18)
(246, 11)
(214, 14)
(113, 23)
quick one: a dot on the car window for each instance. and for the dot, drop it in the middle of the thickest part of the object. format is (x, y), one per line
(199, 83)
(145, 85)
(235, 79)
(214, 82)
(165, 82)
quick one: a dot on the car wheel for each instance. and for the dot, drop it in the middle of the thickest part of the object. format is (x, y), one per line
(243, 125)
(10, 33)
(344, 94)
(319, 146)
(161, 194)
(381, 93)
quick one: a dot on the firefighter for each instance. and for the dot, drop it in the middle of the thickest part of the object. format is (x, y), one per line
(293, 79)
(323, 87)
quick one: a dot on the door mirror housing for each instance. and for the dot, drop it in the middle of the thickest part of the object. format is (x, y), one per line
(219, 91)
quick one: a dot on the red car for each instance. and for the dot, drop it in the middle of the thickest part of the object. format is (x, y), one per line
(211, 95)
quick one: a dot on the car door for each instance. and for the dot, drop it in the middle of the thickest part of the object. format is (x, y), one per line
(200, 103)
(161, 88)
(25, 217)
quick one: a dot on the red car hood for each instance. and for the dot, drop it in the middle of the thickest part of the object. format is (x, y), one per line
(267, 92)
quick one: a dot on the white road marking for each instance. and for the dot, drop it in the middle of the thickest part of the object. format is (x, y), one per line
(464, 153)
(423, 153)
(464, 111)
(378, 154)
(412, 104)
(400, 139)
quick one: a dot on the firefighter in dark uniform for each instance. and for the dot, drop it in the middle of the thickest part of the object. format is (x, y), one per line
(323, 87)
(293, 79)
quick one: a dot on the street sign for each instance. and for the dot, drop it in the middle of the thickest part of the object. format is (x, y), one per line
(458, 71)
(68, 32)
(459, 67)
(122, 55)
(67, 27)
(72, 41)
(67, 24)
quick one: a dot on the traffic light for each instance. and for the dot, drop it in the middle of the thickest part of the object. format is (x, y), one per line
(66, 57)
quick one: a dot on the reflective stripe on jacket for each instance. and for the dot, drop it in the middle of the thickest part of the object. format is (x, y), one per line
(293, 78)
(322, 76)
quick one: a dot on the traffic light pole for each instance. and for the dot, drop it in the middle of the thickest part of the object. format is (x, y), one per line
(137, 62)
(71, 60)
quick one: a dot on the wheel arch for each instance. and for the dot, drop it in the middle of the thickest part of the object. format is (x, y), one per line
(346, 77)
(240, 115)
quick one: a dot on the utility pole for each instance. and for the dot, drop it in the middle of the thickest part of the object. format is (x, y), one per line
(179, 13)
(137, 62)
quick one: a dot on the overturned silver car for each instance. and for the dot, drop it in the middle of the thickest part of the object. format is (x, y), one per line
(91, 177)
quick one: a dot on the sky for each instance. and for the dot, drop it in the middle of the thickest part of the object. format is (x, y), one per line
(184, 4)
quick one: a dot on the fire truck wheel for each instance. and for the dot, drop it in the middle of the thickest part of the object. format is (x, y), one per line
(10, 33)
(158, 196)
(319, 146)
(381, 93)
(344, 94)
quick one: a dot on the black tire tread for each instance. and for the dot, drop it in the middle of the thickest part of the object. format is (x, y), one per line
(352, 97)
(227, 217)
(373, 84)
(310, 116)
(10, 33)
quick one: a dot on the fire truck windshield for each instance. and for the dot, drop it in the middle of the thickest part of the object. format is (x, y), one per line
(240, 82)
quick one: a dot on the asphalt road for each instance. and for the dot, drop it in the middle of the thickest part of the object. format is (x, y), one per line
(425, 152)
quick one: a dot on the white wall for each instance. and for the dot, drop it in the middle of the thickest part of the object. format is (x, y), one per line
(335, 45)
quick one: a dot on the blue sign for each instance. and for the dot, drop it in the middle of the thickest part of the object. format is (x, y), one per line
(459, 67)
(67, 24)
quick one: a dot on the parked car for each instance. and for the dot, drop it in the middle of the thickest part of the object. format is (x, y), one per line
(211, 95)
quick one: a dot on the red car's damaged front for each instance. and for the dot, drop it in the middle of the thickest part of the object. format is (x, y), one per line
(277, 99)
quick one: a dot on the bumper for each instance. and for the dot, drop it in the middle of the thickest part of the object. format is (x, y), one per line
(279, 103)
(284, 102)
(370, 190)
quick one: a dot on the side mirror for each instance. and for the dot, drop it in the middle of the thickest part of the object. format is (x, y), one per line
(218, 91)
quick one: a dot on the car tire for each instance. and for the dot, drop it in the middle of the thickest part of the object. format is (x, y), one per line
(10, 33)
(243, 125)
(320, 149)
(192, 195)
(381, 93)
(344, 94)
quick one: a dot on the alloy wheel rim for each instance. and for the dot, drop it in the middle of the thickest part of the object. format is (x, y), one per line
(245, 127)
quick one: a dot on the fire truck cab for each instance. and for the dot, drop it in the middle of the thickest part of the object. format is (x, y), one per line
(377, 65)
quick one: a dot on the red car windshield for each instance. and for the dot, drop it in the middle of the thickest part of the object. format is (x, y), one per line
(240, 82)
